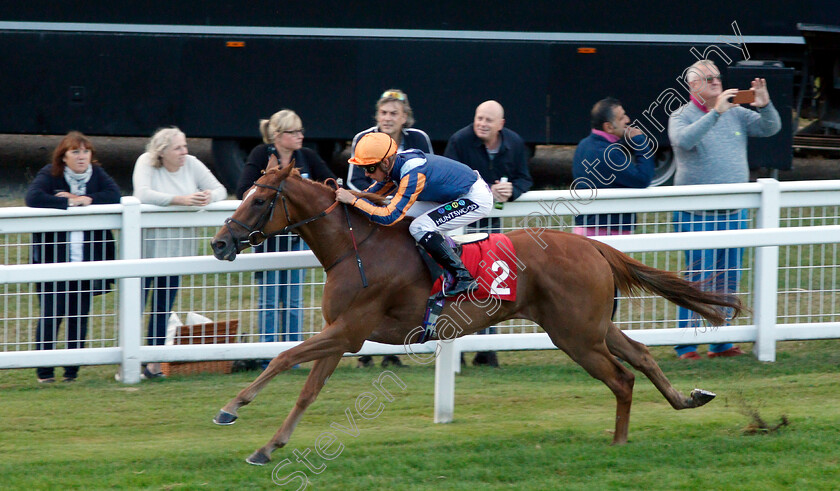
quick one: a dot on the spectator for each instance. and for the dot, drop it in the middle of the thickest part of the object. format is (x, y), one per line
(167, 175)
(74, 178)
(283, 145)
(394, 117)
(495, 152)
(499, 155)
(709, 137)
(612, 156)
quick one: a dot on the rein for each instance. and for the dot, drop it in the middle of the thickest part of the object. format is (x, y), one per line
(347, 254)
(255, 233)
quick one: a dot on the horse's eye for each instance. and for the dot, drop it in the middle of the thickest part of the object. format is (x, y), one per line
(259, 201)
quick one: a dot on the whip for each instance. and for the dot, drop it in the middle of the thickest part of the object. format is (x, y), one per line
(353, 238)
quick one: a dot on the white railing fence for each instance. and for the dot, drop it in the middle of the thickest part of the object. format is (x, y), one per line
(789, 274)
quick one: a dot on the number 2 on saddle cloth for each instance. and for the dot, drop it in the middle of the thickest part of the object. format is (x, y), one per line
(493, 264)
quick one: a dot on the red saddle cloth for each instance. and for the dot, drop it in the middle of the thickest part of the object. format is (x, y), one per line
(493, 263)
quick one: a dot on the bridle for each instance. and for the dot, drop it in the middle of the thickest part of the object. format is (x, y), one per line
(255, 234)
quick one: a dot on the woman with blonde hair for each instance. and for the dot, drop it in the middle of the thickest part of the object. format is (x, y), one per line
(167, 175)
(282, 146)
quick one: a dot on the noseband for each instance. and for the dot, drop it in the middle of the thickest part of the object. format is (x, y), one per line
(256, 234)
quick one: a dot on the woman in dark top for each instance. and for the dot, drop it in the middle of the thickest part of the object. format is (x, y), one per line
(74, 178)
(283, 137)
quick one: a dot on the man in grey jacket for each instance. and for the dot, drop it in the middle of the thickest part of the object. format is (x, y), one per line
(709, 138)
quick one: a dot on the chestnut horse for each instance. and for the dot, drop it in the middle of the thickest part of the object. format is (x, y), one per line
(566, 286)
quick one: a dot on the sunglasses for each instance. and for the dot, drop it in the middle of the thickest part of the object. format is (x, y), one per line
(713, 77)
(370, 169)
(294, 132)
(393, 94)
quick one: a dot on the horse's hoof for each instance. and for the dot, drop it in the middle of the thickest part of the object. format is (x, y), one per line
(224, 418)
(701, 397)
(258, 458)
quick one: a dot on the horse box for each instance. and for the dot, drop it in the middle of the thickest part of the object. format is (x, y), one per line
(209, 333)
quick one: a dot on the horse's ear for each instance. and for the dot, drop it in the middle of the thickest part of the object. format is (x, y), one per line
(285, 171)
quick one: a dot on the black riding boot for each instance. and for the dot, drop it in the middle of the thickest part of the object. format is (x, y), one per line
(440, 251)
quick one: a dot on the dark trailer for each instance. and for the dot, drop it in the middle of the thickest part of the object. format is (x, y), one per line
(215, 67)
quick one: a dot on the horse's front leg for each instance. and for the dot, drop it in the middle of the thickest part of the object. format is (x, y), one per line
(329, 342)
(321, 370)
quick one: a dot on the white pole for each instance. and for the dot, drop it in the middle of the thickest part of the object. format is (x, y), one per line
(130, 308)
(767, 274)
(445, 381)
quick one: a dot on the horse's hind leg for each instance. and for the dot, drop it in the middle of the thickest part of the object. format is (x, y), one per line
(600, 364)
(638, 356)
(321, 370)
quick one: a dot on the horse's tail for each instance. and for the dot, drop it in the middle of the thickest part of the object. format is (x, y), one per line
(631, 275)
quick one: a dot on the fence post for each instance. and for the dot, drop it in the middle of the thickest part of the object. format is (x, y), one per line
(130, 308)
(445, 381)
(766, 284)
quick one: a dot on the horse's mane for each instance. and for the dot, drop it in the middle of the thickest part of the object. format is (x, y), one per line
(374, 198)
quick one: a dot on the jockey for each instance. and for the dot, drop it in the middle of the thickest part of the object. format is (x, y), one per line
(440, 193)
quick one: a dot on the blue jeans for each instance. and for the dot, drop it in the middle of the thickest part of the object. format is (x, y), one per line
(163, 298)
(276, 287)
(718, 269)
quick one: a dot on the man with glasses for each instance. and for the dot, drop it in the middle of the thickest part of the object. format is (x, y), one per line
(709, 138)
(440, 193)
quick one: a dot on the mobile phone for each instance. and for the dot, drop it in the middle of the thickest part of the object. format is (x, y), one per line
(744, 97)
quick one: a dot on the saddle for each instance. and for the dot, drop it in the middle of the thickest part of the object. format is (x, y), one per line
(479, 252)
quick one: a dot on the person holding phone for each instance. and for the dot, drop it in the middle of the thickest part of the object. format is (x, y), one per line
(709, 138)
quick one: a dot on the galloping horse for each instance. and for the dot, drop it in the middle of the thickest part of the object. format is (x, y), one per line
(566, 286)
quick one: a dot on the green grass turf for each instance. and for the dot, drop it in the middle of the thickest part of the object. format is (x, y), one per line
(539, 422)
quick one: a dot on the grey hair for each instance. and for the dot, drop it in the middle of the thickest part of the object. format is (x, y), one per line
(160, 141)
(409, 113)
(280, 121)
(692, 73)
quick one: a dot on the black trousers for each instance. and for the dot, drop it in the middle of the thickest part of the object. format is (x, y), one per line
(60, 300)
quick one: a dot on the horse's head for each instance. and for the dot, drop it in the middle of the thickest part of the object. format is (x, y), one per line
(261, 214)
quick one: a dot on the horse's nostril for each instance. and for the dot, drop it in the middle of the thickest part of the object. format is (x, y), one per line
(218, 245)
